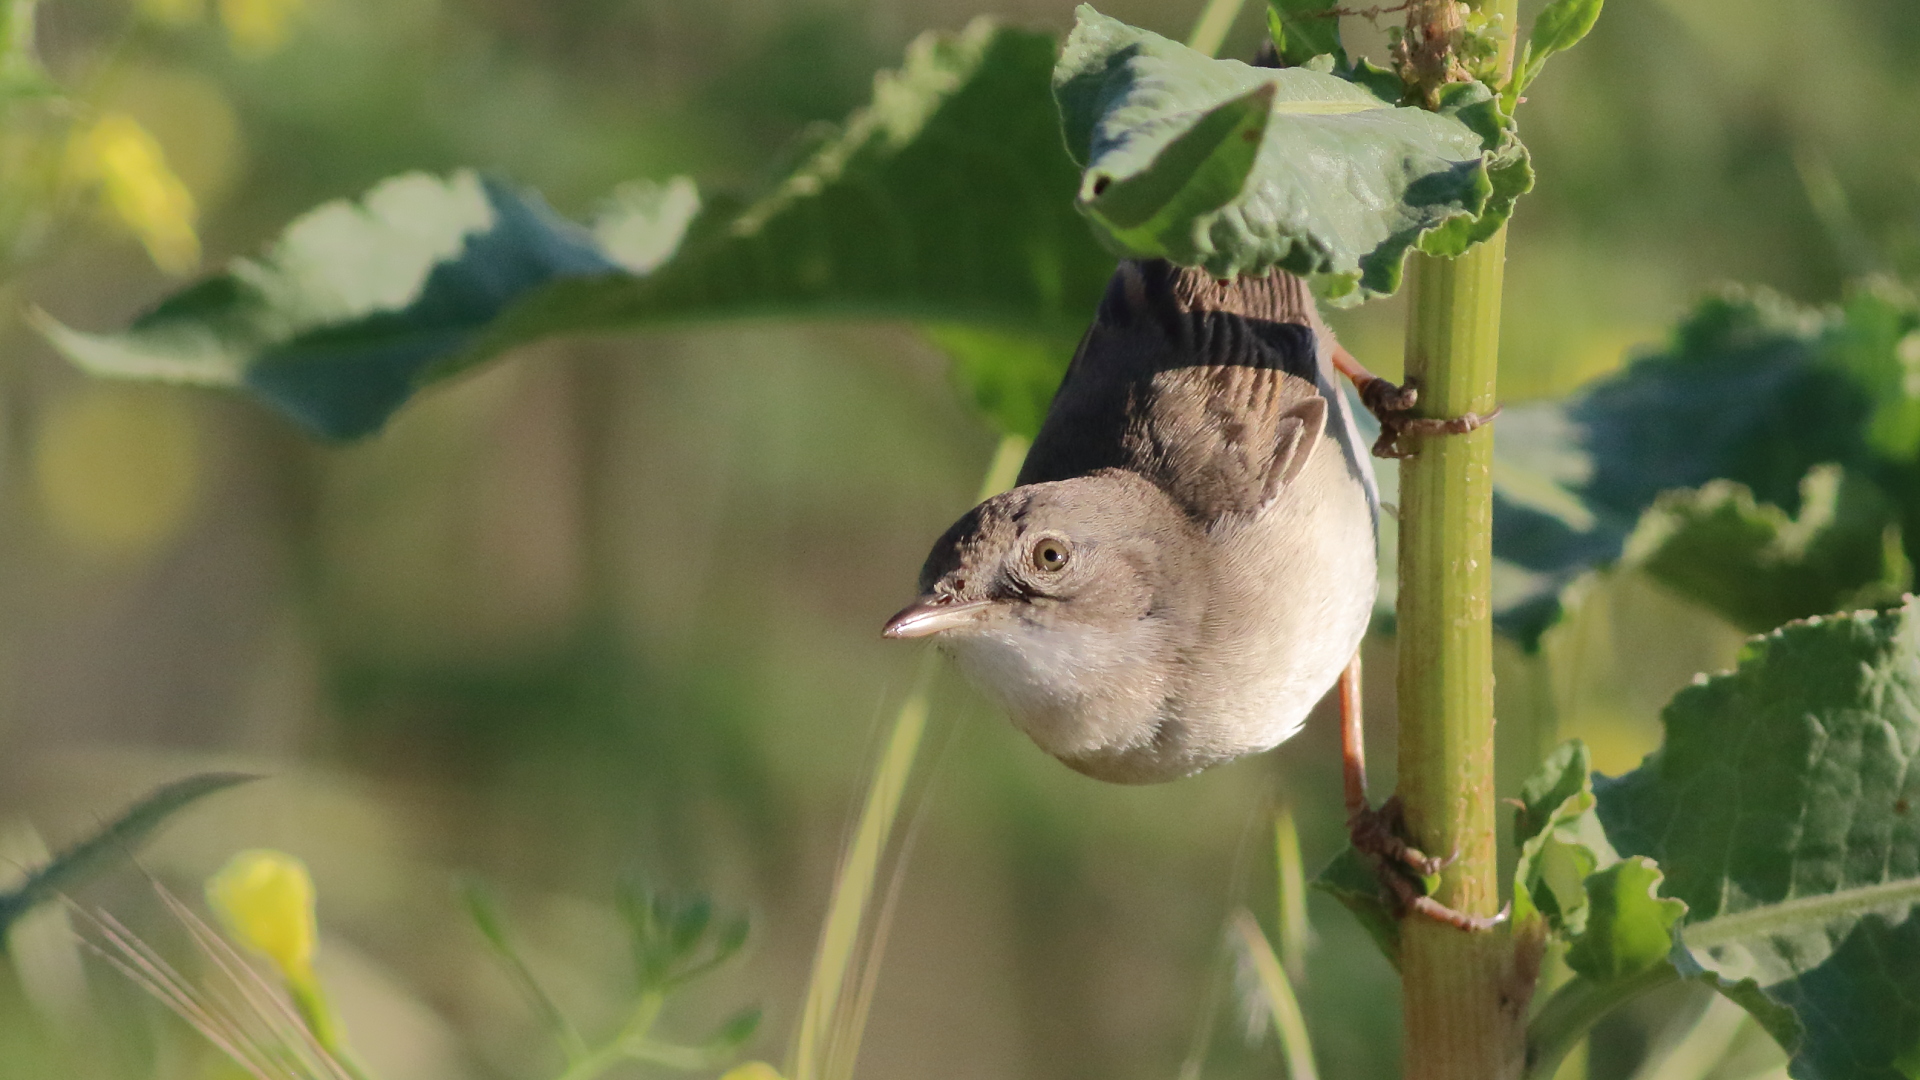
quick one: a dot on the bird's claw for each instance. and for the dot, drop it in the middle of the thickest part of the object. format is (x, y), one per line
(1392, 404)
(1380, 834)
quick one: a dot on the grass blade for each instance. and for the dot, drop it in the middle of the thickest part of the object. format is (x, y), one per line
(1296, 934)
(1288, 1022)
(840, 986)
(72, 867)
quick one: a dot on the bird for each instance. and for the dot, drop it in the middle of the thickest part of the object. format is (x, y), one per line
(1187, 562)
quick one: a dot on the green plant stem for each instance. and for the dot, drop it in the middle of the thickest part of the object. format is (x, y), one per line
(620, 1047)
(822, 1036)
(1463, 1012)
(1571, 1012)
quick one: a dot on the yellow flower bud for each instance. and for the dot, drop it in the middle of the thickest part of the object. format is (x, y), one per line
(127, 163)
(265, 898)
(752, 1070)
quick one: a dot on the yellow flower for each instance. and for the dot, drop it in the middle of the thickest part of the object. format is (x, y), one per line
(131, 170)
(752, 1070)
(265, 898)
(258, 27)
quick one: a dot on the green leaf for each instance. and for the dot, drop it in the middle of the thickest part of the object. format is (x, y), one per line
(1554, 791)
(1510, 170)
(1629, 927)
(483, 910)
(120, 838)
(1559, 27)
(1760, 567)
(1562, 844)
(1200, 171)
(1304, 29)
(1785, 812)
(1008, 378)
(947, 200)
(1752, 390)
(1351, 879)
(1878, 343)
(1331, 181)
(689, 923)
(734, 1033)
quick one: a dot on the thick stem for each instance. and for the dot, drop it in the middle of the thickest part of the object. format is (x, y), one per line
(1464, 1001)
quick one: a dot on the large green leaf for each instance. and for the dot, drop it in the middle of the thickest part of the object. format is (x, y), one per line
(947, 200)
(1785, 811)
(1239, 169)
(115, 841)
(1754, 396)
(1760, 567)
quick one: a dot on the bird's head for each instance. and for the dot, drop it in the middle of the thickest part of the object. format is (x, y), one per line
(1091, 553)
(1070, 602)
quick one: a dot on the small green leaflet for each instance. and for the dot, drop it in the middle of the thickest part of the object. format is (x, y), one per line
(1238, 169)
(1561, 843)
(1304, 29)
(1629, 927)
(1558, 27)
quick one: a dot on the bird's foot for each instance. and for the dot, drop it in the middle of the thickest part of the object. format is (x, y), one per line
(1393, 406)
(1381, 834)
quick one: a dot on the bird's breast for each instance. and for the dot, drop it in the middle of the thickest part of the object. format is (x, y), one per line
(1071, 687)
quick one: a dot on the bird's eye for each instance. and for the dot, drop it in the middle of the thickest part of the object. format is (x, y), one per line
(1050, 554)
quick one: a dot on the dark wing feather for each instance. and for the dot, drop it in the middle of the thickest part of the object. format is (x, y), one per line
(1212, 390)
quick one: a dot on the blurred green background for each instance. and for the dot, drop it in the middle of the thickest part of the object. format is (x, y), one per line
(611, 608)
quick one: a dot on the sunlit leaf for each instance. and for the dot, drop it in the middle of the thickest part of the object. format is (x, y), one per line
(1785, 813)
(1559, 26)
(1759, 567)
(1562, 845)
(1239, 169)
(947, 200)
(1628, 926)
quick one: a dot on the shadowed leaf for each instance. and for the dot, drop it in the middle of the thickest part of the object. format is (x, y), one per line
(1304, 29)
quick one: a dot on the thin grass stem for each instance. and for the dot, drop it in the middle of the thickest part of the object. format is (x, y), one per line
(1289, 1024)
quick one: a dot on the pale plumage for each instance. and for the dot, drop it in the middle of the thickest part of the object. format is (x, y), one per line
(1188, 561)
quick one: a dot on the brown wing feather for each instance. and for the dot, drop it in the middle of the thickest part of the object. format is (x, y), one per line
(1207, 388)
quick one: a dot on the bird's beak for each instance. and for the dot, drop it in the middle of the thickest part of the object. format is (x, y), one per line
(928, 615)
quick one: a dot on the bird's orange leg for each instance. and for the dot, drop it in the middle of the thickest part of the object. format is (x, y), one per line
(1381, 833)
(1391, 405)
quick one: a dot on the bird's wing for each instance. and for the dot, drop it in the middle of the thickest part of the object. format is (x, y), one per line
(1215, 391)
